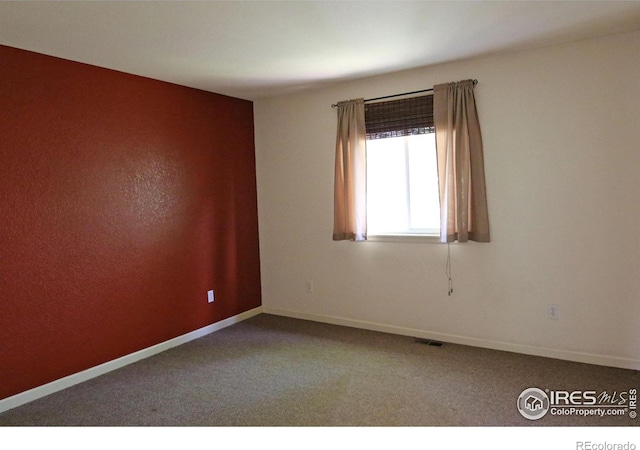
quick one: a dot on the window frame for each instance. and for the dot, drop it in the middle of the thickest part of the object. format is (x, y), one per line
(402, 126)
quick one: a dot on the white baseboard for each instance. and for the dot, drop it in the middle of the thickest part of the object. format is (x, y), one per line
(76, 378)
(588, 358)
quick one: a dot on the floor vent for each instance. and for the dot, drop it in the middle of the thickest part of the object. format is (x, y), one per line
(429, 342)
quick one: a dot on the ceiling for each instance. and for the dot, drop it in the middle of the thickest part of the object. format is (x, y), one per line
(256, 49)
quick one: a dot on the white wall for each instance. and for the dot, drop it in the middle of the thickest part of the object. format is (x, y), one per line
(561, 132)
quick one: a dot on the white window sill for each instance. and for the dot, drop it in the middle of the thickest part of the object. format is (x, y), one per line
(405, 238)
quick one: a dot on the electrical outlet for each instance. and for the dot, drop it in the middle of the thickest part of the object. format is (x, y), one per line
(210, 296)
(553, 312)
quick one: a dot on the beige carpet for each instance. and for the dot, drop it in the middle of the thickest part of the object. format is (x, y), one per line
(276, 371)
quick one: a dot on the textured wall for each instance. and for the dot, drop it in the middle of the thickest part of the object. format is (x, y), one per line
(122, 201)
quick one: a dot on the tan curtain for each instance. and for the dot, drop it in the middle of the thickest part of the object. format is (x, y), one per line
(463, 200)
(350, 214)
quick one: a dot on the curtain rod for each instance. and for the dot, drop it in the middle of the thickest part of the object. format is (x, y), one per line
(399, 95)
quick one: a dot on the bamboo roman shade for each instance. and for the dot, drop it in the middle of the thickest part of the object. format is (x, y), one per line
(396, 118)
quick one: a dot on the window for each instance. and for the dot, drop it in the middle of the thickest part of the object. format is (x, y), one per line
(402, 186)
(461, 185)
(402, 173)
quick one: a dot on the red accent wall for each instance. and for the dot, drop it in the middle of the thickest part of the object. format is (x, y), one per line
(122, 201)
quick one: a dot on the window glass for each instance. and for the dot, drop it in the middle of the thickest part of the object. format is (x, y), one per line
(402, 186)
